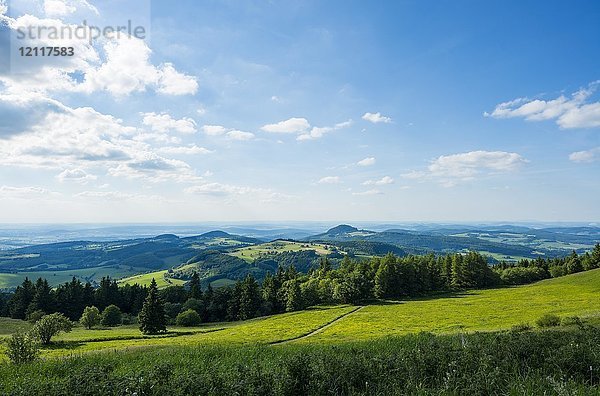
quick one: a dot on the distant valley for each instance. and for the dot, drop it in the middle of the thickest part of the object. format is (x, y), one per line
(222, 257)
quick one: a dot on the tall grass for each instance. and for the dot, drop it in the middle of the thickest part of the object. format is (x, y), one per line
(546, 362)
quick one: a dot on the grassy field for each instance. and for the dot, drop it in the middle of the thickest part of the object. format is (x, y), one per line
(530, 363)
(251, 253)
(478, 310)
(162, 280)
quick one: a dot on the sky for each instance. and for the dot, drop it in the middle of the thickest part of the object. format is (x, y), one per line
(301, 110)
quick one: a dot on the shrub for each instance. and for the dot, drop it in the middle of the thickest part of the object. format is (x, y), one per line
(90, 317)
(188, 318)
(518, 328)
(21, 348)
(111, 316)
(572, 321)
(195, 304)
(548, 320)
(35, 315)
(49, 326)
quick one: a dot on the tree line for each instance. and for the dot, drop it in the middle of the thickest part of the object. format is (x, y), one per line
(353, 281)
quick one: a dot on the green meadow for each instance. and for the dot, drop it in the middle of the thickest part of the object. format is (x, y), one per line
(477, 310)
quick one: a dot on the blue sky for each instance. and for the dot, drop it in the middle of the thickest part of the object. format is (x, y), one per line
(307, 110)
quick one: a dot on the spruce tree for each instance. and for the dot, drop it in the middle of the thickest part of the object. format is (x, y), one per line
(195, 290)
(152, 316)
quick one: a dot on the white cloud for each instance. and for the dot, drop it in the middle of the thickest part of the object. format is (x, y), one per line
(568, 112)
(185, 150)
(381, 182)
(240, 135)
(230, 133)
(163, 122)
(24, 192)
(329, 180)
(292, 125)
(366, 162)
(586, 155)
(228, 190)
(127, 69)
(58, 8)
(368, 192)
(376, 118)
(172, 82)
(214, 130)
(80, 138)
(75, 175)
(318, 132)
(449, 169)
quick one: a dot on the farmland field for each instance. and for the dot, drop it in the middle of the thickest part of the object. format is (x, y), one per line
(162, 280)
(251, 253)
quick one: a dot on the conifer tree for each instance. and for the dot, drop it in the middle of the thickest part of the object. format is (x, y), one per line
(152, 316)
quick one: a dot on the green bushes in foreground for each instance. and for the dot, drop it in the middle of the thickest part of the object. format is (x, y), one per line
(565, 361)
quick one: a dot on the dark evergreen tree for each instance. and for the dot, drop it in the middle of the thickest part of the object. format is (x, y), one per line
(195, 290)
(152, 316)
(21, 299)
(250, 299)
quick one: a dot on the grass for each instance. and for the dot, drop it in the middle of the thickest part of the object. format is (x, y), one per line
(532, 363)
(161, 278)
(9, 326)
(478, 310)
(251, 253)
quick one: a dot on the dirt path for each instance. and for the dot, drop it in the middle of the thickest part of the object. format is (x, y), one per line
(320, 329)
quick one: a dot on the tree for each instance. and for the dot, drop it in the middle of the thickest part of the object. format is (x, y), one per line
(90, 317)
(111, 316)
(49, 326)
(188, 318)
(195, 290)
(293, 296)
(250, 299)
(21, 348)
(21, 299)
(152, 316)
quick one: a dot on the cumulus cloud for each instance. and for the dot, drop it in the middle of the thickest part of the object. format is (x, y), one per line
(381, 182)
(568, 112)
(120, 66)
(228, 190)
(292, 125)
(184, 150)
(329, 180)
(230, 133)
(80, 138)
(450, 169)
(240, 135)
(376, 118)
(75, 175)
(586, 155)
(163, 122)
(318, 132)
(368, 192)
(366, 162)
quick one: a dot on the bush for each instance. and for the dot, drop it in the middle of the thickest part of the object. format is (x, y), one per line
(548, 320)
(521, 327)
(21, 348)
(111, 316)
(35, 315)
(195, 304)
(572, 321)
(188, 318)
(49, 326)
(90, 317)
